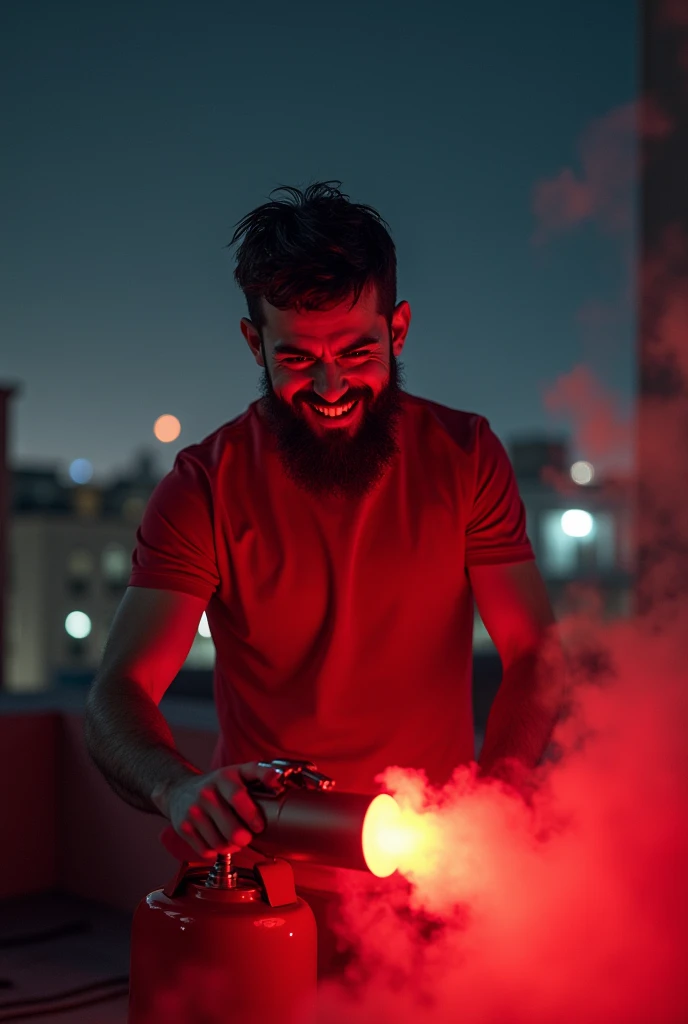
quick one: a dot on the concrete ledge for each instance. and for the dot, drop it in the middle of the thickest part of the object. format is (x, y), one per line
(64, 828)
(196, 713)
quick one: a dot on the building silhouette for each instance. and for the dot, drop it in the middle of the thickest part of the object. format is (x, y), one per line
(603, 556)
(70, 552)
(70, 549)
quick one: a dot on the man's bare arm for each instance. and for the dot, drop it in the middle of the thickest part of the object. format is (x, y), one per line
(525, 709)
(126, 734)
(132, 745)
(513, 603)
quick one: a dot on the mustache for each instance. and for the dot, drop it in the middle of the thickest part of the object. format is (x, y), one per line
(331, 405)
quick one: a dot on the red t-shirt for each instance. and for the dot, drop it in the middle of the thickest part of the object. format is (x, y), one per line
(342, 628)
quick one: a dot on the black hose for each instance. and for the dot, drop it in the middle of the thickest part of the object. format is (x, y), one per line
(84, 995)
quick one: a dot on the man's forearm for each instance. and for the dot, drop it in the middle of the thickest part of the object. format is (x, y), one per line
(131, 744)
(525, 710)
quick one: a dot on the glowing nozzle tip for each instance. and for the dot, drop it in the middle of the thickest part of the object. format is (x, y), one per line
(382, 836)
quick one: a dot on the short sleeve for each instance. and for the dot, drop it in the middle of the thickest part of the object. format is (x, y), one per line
(175, 547)
(496, 528)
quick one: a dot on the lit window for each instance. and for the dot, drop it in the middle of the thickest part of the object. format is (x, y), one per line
(575, 541)
(115, 564)
(577, 523)
(559, 548)
(78, 625)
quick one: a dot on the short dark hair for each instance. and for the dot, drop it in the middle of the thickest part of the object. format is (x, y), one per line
(313, 252)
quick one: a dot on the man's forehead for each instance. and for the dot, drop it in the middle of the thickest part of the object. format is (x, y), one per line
(322, 325)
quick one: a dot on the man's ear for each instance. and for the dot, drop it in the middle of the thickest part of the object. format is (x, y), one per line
(401, 321)
(252, 339)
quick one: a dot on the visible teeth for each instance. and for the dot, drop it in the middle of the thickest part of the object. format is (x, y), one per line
(338, 410)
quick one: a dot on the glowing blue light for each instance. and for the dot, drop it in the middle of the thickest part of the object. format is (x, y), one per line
(81, 471)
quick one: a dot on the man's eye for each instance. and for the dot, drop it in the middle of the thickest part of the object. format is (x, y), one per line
(308, 359)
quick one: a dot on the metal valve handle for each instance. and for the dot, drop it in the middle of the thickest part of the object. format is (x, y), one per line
(290, 772)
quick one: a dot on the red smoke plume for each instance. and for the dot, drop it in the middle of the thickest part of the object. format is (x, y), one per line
(568, 905)
(600, 428)
(602, 190)
(571, 907)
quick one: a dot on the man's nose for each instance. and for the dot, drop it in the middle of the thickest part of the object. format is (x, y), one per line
(329, 383)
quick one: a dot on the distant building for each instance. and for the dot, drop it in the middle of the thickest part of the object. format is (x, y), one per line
(581, 533)
(70, 552)
(70, 556)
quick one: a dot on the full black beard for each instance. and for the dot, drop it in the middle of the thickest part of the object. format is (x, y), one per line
(337, 464)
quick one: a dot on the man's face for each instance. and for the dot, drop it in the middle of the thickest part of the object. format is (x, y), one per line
(315, 365)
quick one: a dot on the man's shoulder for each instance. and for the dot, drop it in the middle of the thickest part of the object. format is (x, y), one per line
(217, 448)
(460, 426)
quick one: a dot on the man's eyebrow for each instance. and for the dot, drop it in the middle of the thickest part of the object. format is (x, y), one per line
(283, 348)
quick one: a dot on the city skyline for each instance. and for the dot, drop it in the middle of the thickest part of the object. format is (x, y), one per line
(128, 167)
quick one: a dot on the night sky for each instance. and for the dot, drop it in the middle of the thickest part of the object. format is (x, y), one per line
(135, 135)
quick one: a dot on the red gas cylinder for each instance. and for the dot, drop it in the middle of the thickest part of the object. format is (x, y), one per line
(217, 947)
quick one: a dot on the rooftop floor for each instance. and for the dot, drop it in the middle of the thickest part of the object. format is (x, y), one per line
(63, 958)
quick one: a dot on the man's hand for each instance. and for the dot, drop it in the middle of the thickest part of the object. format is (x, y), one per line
(214, 813)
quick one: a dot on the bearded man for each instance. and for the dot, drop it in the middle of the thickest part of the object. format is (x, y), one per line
(337, 534)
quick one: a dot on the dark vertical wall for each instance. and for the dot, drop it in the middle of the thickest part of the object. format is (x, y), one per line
(662, 437)
(6, 394)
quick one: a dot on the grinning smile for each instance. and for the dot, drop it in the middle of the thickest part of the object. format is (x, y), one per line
(335, 411)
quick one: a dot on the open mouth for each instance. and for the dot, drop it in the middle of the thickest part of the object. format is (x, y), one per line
(335, 412)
